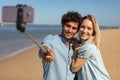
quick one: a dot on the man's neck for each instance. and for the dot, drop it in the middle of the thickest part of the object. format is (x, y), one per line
(68, 43)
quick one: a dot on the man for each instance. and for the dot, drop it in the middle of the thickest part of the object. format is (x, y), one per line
(56, 63)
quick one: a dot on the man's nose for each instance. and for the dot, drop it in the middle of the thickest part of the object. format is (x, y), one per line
(70, 29)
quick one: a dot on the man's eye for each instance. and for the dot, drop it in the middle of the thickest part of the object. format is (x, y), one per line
(75, 28)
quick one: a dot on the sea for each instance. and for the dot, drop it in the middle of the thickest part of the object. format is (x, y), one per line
(13, 42)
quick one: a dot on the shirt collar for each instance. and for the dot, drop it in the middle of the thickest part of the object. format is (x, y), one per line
(64, 40)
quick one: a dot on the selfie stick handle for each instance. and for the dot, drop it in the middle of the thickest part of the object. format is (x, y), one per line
(35, 41)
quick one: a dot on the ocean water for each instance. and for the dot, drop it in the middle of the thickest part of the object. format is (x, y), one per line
(12, 41)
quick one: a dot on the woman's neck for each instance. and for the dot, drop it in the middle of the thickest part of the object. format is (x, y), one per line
(88, 40)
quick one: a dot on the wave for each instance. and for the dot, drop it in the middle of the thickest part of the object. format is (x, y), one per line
(14, 53)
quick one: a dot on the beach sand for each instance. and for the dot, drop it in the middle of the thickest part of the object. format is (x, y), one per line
(25, 66)
(28, 66)
(110, 46)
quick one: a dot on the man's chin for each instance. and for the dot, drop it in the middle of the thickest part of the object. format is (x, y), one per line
(69, 39)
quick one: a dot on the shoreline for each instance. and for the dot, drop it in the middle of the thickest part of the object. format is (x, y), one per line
(16, 52)
(24, 66)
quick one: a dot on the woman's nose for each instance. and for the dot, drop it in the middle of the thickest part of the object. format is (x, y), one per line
(84, 30)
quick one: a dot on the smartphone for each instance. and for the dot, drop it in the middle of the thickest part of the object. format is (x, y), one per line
(9, 14)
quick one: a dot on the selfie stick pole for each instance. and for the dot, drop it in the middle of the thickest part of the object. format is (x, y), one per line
(34, 40)
(20, 27)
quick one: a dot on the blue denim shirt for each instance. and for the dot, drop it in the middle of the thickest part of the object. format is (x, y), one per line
(59, 68)
(94, 68)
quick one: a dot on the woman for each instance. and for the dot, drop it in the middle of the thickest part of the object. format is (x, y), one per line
(87, 60)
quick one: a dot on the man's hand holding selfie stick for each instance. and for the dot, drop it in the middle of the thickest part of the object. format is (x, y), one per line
(46, 57)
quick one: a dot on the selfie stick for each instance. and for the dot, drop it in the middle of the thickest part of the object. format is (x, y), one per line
(19, 26)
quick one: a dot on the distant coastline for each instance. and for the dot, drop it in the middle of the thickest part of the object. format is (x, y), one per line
(56, 25)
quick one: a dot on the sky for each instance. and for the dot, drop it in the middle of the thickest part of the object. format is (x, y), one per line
(107, 12)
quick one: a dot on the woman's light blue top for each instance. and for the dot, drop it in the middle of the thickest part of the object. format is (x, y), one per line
(94, 68)
(59, 68)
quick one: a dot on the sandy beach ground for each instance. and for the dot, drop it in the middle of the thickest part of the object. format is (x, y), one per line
(28, 66)
(110, 50)
(25, 66)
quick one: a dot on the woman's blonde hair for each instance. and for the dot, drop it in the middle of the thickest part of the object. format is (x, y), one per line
(96, 29)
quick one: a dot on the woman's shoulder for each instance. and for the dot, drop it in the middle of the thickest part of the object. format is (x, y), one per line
(87, 50)
(89, 45)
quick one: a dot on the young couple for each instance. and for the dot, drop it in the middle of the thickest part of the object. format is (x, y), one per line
(65, 58)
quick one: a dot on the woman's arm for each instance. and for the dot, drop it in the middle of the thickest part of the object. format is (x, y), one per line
(77, 62)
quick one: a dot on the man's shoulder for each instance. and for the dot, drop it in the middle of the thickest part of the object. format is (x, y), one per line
(51, 37)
